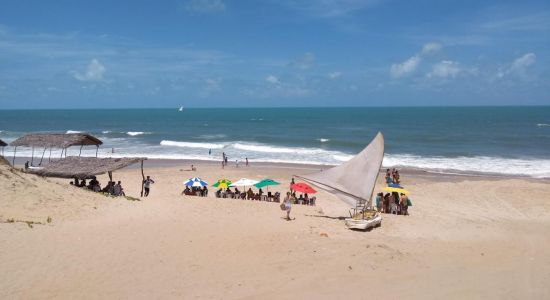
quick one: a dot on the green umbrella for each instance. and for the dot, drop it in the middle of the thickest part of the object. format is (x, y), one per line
(222, 183)
(266, 182)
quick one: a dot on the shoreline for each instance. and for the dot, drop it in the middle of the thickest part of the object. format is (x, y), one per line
(185, 164)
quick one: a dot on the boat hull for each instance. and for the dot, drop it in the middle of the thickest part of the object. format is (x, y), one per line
(364, 224)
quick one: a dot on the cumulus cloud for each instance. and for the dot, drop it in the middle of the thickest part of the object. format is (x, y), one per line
(94, 72)
(445, 69)
(334, 75)
(519, 66)
(204, 6)
(410, 65)
(305, 62)
(431, 48)
(272, 79)
(405, 68)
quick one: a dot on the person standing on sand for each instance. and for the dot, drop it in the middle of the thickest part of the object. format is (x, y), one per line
(246, 161)
(291, 183)
(287, 202)
(147, 185)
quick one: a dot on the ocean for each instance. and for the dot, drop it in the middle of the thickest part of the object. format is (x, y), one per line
(484, 140)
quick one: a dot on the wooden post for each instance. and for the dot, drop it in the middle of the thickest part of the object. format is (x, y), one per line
(142, 177)
(110, 175)
(62, 153)
(80, 152)
(32, 156)
(43, 152)
(13, 162)
(96, 149)
(50, 157)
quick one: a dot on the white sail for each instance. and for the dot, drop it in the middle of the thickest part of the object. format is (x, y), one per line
(353, 181)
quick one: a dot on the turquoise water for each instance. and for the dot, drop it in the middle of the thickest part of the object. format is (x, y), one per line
(504, 140)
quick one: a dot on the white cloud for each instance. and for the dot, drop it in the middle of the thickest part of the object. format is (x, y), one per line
(445, 69)
(272, 79)
(519, 66)
(94, 72)
(204, 6)
(410, 65)
(521, 63)
(305, 62)
(334, 75)
(431, 48)
(405, 68)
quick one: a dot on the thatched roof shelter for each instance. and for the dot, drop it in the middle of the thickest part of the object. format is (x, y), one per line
(56, 140)
(84, 167)
(3, 144)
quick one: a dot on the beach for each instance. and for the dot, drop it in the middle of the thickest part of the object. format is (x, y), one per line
(466, 237)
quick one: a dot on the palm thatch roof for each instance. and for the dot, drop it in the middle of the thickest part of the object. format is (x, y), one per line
(56, 140)
(3, 144)
(84, 167)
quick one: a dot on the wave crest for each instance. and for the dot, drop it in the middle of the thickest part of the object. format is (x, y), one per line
(192, 145)
(134, 133)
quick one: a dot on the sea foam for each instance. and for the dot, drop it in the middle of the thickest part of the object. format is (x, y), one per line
(275, 149)
(73, 131)
(134, 133)
(192, 145)
(538, 168)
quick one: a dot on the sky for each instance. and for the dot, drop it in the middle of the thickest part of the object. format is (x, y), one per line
(273, 53)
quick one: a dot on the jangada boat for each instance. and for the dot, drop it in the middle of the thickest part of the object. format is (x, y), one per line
(353, 182)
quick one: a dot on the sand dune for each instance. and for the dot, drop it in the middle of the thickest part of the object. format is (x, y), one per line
(465, 238)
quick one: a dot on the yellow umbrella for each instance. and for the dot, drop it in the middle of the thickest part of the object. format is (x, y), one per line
(394, 189)
(223, 183)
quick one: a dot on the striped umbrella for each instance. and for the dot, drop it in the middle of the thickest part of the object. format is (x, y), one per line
(196, 182)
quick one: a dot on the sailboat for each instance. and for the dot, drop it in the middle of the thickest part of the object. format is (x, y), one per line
(353, 182)
(181, 108)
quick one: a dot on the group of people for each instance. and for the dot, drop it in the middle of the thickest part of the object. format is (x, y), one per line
(392, 176)
(225, 160)
(195, 191)
(393, 203)
(248, 195)
(111, 188)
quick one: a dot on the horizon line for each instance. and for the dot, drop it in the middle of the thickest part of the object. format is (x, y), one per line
(279, 107)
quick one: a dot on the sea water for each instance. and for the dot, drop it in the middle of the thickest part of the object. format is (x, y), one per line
(496, 140)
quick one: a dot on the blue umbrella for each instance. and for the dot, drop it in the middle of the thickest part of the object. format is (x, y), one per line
(195, 181)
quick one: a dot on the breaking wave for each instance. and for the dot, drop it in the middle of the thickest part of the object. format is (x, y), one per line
(192, 145)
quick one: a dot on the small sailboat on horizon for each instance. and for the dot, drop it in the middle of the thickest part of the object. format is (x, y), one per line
(181, 108)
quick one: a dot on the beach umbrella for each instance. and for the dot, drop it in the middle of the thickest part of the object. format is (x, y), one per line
(222, 183)
(266, 182)
(244, 182)
(303, 187)
(196, 182)
(395, 189)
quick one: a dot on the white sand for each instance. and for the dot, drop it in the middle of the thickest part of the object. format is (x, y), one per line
(475, 238)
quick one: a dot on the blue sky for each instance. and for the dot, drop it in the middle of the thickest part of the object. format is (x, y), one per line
(223, 53)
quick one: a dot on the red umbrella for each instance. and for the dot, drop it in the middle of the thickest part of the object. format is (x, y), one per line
(303, 187)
